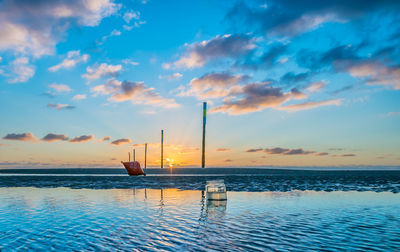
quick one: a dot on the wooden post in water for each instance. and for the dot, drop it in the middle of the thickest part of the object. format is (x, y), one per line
(203, 149)
(162, 148)
(145, 156)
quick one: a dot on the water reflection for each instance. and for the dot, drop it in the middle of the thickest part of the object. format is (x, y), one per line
(175, 220)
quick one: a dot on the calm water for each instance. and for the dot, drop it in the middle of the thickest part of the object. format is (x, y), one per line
(171, 219)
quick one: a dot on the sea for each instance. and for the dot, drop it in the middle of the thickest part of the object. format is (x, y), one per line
(289, 209)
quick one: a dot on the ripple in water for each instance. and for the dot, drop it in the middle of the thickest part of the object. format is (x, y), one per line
(171, 219)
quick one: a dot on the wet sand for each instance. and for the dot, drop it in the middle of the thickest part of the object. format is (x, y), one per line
(252, 180)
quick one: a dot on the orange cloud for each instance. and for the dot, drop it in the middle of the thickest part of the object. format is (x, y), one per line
(311, 105)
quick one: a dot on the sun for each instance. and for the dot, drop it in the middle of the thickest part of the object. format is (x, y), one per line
(170, 162)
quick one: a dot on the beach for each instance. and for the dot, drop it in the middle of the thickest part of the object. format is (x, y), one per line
(236, 179)
(267, 209)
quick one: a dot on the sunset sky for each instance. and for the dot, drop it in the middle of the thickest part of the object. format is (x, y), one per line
(288, 83)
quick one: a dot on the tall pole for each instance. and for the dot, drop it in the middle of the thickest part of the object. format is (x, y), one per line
(134, 156)
(145, 156)
(162, 148)
(129, 156)
(203, 149)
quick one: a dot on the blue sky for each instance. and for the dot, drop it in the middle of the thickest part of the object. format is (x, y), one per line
(287, 84)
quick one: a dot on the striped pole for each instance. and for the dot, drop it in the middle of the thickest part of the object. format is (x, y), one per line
(145, 156)
(203, 149)
(162, 148)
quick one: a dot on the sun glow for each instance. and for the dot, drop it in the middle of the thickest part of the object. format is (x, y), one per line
(170, 162)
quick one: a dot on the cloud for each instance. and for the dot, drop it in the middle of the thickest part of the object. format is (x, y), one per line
(229, 46)
(276, 150)
(174, 76)
(291, 77)
(322, 154)
(282, 151)
(132, 15)
(60, 106)
(135, 24)
(316, 87)
(121, 141)
(256, 97)
(228, 160)
(223, 149)
(374, 70)
(214, 85)
(103, 70)
(336, 55)
(311, 105)
(34, 27)
(72, 59)
(130, 62)
(60, 88)
(298, 152)
(266, 59)
(254, 150)
(20, 137)
(287, 18)
(345, 155)
(250, 97)
(395, 113)
(22, 69)
(128, 16)
(79, 97)
(136, 92)
(106, 138)
(376, 73)
(83, 138)
(51, 137)
(113, 33)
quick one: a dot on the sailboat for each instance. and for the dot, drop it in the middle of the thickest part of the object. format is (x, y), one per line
(133, 167)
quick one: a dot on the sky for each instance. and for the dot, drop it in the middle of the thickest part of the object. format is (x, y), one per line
(287, 83)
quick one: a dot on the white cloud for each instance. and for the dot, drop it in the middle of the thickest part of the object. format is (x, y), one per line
(34, 28)
(60, 88)
(130, 62)
(73, 58)
(135, 92)
(103, 70)
(60, 106)
(174, 76)
(135, 24)
(113, 33)
(128, 16)
(22, 70)
(228, 46)
(79, 97)
(213, 85)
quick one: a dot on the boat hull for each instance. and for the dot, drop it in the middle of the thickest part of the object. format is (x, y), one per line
(133, 168)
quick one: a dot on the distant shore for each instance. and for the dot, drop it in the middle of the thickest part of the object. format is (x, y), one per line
(199, 171)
